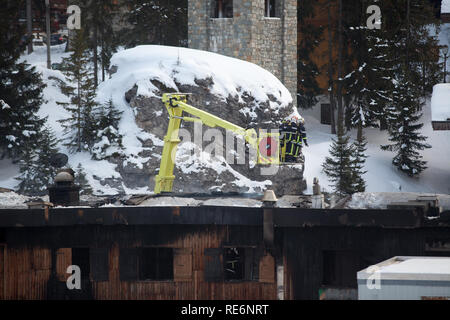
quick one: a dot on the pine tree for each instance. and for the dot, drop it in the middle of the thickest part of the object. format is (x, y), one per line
(358, 162)
(80, 179)
(106, 132)
(161, 22)
(21, 88)
(99, 17)
(78, 127)
(404, 129)
(27, 171)
(36, 170)
(340, 166)
(47, 148)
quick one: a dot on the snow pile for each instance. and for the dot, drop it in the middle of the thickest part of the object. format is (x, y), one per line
(440, 102)
(380, 200)
(231, 77)
(12, 200)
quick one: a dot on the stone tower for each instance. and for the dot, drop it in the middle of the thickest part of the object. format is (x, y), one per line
(263, 32)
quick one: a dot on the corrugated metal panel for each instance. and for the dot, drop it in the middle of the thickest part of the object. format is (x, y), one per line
(63, 260)
(182, 264)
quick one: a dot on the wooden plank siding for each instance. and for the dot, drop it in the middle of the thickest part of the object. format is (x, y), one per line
(28, 267)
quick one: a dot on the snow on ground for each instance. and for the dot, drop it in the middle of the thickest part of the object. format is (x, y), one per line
(440, 102)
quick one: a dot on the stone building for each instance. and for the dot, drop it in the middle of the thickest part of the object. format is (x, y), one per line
(263, 32)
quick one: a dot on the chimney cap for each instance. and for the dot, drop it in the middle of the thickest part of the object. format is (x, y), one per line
(269, 196)
(64, 177)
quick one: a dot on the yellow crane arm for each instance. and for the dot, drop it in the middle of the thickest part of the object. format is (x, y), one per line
(176, 104)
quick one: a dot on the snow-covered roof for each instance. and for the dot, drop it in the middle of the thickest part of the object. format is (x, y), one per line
(440, 102)
(410, 268)
(380, 200)
(445, 6)
(174, 64)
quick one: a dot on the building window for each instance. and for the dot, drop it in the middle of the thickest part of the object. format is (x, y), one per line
(80, 258)
(222, 9)
(156, 264)
(270, 8)
(340, 268)
(234, 264)
(146, 264)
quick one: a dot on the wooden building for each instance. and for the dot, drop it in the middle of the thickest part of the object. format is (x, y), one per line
(205, 252)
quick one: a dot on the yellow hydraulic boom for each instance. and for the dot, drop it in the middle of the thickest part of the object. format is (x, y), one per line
(176, 104)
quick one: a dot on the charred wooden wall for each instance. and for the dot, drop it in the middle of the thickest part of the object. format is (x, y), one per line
(30, 256)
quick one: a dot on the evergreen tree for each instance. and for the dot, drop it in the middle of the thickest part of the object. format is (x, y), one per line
(27, 170)
(99, 17)
(36, 170)
(79, 126)
(358, 161)
(108, 138)
(80, 179)
(21, 88)
(47, 148)
(310, 37)
(340, 166)
(404, 129)
(161, 22)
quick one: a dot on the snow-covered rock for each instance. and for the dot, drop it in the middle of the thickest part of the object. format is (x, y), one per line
(237, 91)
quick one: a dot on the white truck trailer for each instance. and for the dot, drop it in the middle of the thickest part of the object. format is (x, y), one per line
(406, 278)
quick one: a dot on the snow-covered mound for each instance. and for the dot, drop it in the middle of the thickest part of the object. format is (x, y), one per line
(237, 91)
(173, 66)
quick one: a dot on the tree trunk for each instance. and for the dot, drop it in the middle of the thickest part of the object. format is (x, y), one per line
(95, 42)
(29, 27)
(340, 116)
(330, 70)
(408, 21)
(48, 31)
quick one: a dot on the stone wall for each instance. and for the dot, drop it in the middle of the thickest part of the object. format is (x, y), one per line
(268, 42)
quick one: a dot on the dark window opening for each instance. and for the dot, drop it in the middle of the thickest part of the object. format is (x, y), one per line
(234, 264)
(340, 268)
(269, 9)
(156, 264)
(80, 258)
(223, 9)
(2, 236)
